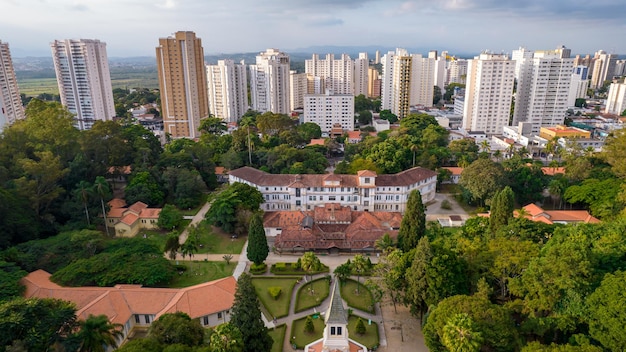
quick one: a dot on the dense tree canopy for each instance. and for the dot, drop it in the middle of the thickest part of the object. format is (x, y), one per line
(246, 316)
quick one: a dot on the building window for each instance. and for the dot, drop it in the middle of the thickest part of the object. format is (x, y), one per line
(366, 180)
(333, 330)
(339, 330)
(206, 320)
(137, 321)
(147, 318)
(219, 315)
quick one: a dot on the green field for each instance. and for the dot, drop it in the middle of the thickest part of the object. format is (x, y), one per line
(34, 86)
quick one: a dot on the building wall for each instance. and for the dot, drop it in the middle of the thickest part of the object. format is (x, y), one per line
(82, 70)
(616, 99)
(11, 108)
(328, 109)
(269, 82)
(488, 93)
(227, 90)
(337, 74)
(578, 84)
(298, 83)
(183, 84)
(603, 68)
(361, 75)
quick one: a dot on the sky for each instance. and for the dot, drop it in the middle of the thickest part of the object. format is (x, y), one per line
(132, 27)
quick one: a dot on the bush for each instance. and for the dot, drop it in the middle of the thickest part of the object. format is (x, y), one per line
(281, 266)
(274, 291)
(445, 204)
(180, 267)
(298, 264)
(258, 269)
(309, 328)
(360, 327)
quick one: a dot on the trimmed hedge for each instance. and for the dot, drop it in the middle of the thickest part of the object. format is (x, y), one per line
(293, 269)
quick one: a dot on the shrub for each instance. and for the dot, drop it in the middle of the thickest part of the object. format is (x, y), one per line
(180, 267)
(258, 269)
(360, 327)
(298, 264)
(274, 291)
(281, 266)
(445, 204)
(309, 328)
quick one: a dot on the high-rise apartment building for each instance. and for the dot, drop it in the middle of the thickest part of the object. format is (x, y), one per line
(408, 79)
(82, 71)
(439, 73)
(11, 108)
(488, 93)
(227, 90)
(374, 83)
(269, 82)
(361, 77)
(603, 68)
(519, 56)
(616, 99)
(298, 87)
(183, 84)
(578, 84)
(543, 89)
(457, 71)
(337, 74)
(329, 109)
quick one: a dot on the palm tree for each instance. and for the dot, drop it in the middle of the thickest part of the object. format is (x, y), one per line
(309, 262)
(189, 247)
(414, 148)
(101, 187)
(485, 146)
(83, 191)
(97, 333)
(459, 334)
(384, 243)
(359, 264)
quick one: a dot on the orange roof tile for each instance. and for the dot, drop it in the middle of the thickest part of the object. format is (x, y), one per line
(117, 203)
(116, 212)
(138, 207)
(129, 219)
(354, 135)
(150, 213)
(453, 170)
(317, 141)
(366, 173)
(551, 171)
(220, 170)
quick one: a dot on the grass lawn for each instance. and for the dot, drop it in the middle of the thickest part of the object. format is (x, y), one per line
(276, 307)
(214, 241)
(370, 338)
(301, 338)
(201, 271)
(361, 301)
(194, 211)
(308, 299)
(35, 86)
(278, 335)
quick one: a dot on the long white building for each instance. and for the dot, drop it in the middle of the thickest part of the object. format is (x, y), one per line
(329, 109)
(82, 71)
(408, 79)
(269, 82)
(11, 108)
(543, 89)
(337, 74)
(488, 93)
(616, 99)
(365, 191)
(227, 89)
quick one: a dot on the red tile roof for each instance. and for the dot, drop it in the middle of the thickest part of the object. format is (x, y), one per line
(117, 203)
(551, 171)
(456, 171)
(536, 213)
(138, 207)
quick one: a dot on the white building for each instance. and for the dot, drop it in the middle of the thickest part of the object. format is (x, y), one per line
(603, 68)
(227, 89)
(439, 72)
(337, 74)
(329, 109)
(82, 71)
(519, 56)
(269, 82)
(408, 79)
(298, 87)
(578, 85)
(11, 108)
(616, 100)
(365, 191)
(543, 89)
(361, 74)
(488, 93)
(457, 71)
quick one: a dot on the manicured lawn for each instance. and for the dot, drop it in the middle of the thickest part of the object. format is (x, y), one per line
(278, 335)
(362, 300)
(370, 338)
(308, 299)
(276, 307)
(214, 241)
(200, 271)
(158, 237)
(290, 269)
(301, 338)
(194, 211)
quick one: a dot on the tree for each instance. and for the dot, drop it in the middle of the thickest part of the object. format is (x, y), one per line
(10, 275)
(607, 316)
(309, 328)
(511, 257)
(413, 225)
(460, 335)
(172, 245)
(258, 249)
(614, 152)
(343, 272)
(37, 323)
(385, 243)
(226, 338)
(97, 332)
(101, 188)
(309, 262)
(365, 117)
(236, 198)
(391, 270)
(482, 179)
(83, 191)
(360, 327)
(358, 265)
(189, 247)
(246, 316)
(144, 187)
(417, 278)
(502, 206)
(173, 328)
(389, 116)
(169, 217)
(213, 125)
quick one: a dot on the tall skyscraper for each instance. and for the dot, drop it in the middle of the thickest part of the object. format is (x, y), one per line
(488, 93)
(11, 108)
(374, 82)
(408, 79)
(336, 73)
(616, 99)
(82, 71)
(269, 82)
(457, 71)
(543, 89)
(183, 84)
(603, 68)
(227, 90)
(578, 85)
(361, 66)
(298, 87)
(519, 56)
(327, 110)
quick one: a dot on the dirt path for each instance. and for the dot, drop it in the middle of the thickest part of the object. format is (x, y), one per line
(402, 330)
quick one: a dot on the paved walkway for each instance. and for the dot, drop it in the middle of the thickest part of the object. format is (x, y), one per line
(195, 220)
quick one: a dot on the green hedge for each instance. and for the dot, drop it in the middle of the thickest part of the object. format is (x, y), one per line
(291, 269)
(258, 269)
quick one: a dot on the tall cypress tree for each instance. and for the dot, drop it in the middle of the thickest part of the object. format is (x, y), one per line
(258, 249)
(413, 225)
(502, 205)
(246, 316)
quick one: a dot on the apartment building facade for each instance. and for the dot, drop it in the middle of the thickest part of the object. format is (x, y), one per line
(269, 82)
(11, 108)
(227, 90)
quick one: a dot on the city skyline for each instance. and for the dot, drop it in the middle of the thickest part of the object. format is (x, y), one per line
(459, 26)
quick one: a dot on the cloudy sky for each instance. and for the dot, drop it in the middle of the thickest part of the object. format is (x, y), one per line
(132, 27)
